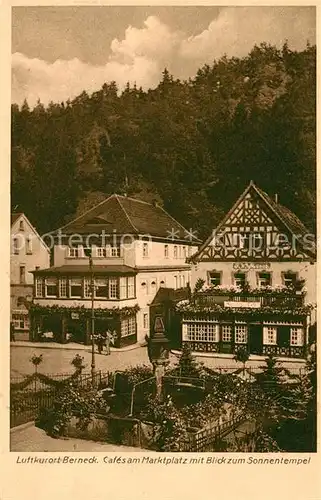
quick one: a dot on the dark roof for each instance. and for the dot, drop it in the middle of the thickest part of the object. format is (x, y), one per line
(170, 295)
(15, 216)
(285, 216)
(81, 270)
(127, 216)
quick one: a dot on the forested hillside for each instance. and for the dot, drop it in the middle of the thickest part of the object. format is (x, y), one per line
(192, 145)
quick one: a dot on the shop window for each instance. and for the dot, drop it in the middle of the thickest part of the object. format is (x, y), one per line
(101, 288)
(264, 280)
(270, 335)
(214, 278)
(39, 283)
(240, 334)
(226, 333)
(202, 332)
(51, 287)
(296, 336)
(75, 288)
(113, 288)
(63, 288)
(20, 321)
(128, 326)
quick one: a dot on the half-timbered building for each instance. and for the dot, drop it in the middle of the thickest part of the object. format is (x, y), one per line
(258, 270)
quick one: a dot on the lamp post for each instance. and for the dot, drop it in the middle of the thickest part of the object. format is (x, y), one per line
(88, 253)
(158, 352)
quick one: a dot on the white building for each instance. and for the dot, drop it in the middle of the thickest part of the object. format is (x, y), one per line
(28, 253)
(136, 248)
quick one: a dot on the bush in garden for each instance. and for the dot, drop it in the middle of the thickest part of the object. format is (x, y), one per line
(75, 402)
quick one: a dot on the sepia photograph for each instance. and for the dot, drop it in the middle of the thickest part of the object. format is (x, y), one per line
(163, 218)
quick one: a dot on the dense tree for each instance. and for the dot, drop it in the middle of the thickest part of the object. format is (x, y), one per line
(192, 145)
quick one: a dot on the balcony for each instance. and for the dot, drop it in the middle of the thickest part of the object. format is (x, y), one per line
(259, 300)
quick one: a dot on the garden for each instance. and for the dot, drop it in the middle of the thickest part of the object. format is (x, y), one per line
(199, 409)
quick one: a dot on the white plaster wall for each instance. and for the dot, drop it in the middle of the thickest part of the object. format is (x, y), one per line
(40, 255)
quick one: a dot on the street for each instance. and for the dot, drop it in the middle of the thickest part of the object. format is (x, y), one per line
(58, 360)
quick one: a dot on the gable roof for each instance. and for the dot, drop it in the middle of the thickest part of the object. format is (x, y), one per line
(127, 216)
(285, 217)
(15, 216)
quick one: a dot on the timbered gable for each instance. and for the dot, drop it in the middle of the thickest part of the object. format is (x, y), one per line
(255, 230)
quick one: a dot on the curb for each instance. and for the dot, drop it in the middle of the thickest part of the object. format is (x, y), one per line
(252, 357)
(22, 427)
(80, 347)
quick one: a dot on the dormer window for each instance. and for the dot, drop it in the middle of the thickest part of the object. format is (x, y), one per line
(74, 252)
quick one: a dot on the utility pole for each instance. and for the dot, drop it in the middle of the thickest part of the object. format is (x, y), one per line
(88, 252)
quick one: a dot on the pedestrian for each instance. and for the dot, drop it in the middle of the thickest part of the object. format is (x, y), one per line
(12, 332)
(108, 339)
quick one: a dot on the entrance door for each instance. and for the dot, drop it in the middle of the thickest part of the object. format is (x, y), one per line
(256, 339)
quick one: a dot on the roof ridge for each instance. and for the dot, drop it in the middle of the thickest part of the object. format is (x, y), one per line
(87, 211)
(134, 199)
(126, 214)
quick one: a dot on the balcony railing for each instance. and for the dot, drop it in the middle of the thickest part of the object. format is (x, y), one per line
(265, 300)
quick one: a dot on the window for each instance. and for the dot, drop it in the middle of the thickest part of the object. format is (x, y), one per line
(296, 336)
(115, 251)
(128, 326)
(21, 226)
(113, 288)
(87, 288)
(74, 252)
(144, 286)
(22, 274)
(29, 246)
(101, 288)
(145, 321)
(182, 281)
(239, 279)
(189, 251)
(240, 334)
(145, 250)
(101, 251)
(37, 268)
(270, 335)
(75, 287)
(184, 252)
(175, 252)
(38, 287)
(166, 251)
(20, 321)
(153, 286)
(123, 288)
(289, 278)
(63, 288)
(16, 246)
(245, 241)
(175, 282)
(51, 287)
(264, 279)
(131, 287)
(226, 333)
(202, 332)
(214, 278)
(20, 301)
(162, 283)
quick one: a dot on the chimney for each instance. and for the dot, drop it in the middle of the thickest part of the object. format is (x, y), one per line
(276, 198)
